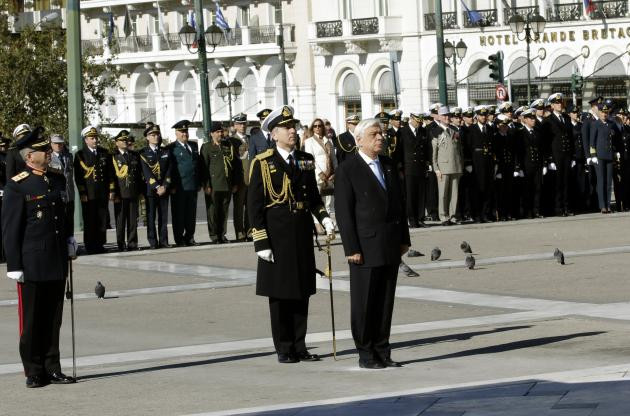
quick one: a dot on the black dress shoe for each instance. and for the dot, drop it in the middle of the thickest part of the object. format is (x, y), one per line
(132, 248)
(388, 362)
(446, 223)
(61, 378)
(421, 224)
(371, 364)
(191, 242)
(154, 247)
(287, 358)
(165, 245)
(33, 382)
(305, 356)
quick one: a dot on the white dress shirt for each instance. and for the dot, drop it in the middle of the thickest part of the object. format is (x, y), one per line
(375, 166)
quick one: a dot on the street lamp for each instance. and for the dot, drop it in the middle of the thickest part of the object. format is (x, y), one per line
(533, 27)
(453, 55)
(211, 36)
(229, 93)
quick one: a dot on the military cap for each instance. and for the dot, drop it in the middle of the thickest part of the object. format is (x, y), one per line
(468, 112)
(529, 113)
(181, 125)
(35, 140)
(21, 130)
(262, 114)
(555, 98)
(151, 129)
(279, 117)
(89, 131)
(427, 114)
(481, 110)
(395, 115)
(506, 107)
(603, 107)
(216, 126)
(519, 111)
(433, 108)
(122, 135)
(610, 103)
(405, 120)
(538, 104)
(596, 100)
(503, 119)
(240, 118)
(57, 138)
(622, 111)
(353, 119)
(383, 117)
(444, 110)
(417, 116)
(572, 109)
(457, 111)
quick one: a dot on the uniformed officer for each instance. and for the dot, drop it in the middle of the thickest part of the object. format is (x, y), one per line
(4, 145)
(38, 243)
(185, 184)
(260, 141)
(538, 105)
(220, 175)
(579, 196)
(240, 141)
(414, 145)
(156, 170)
(93, 174)
(62, 161)
(346, 144)
(587, 122)
(395, 120)
(506, 151)
(532, 163)
(479, 140)
(282, 200)
(129, 184)
(601, 151)
(14, 162)
(465, 205)
(432, 192)
(624, 157)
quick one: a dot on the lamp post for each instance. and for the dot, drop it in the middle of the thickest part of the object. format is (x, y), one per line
(533, 26)
(453, 55)
(229, 93)
(211, 36)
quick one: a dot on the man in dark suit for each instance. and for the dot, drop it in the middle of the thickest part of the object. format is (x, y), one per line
(186, 181)
(345, 145)
(240, 141)
(532, 162)
(415, 163)
(479, 141)
(371, 215)
(601, 143)
(259, 140)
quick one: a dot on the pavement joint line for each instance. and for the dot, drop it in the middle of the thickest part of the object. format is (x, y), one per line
(610, 373)
(267, 343)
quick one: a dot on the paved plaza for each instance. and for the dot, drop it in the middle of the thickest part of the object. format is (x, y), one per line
(181, 332)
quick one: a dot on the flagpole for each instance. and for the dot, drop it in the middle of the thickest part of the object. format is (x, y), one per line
(203, 70)
(439, 37)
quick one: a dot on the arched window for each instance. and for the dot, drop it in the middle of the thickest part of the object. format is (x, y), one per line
(145, 99)
(190, 97)
(350, 96)
(563, 67)
(610, 82)
(386, 94)
(247, 100)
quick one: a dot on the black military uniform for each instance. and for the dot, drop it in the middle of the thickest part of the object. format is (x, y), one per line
(392, 148)
(186, 182)
(282, 199)
(415, 152)
(479, 140)
(601, 143)
(156, 170)
(532, 162)
(36, 242)
(4, 143)
(93, 175)
(346, 145)
(624, 159)
(580, 187)
(506, 150)
(239, 198)
(129, 184)
(465, 205)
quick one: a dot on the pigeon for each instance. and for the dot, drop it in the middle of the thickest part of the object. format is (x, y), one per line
(435, 254)
(465, 247)
(559, 255)
(470, 262)
(414, 253)
(99, 290)
(407, 270)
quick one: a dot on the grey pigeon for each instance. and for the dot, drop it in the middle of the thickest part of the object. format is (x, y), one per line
(465, 247)
(414, 253)
(559, 255)
(407, 270)
(99, 290)
(435, 254)
(470, 262)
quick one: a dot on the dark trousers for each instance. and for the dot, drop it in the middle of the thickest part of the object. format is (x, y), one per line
(184, 215)
(288, 324)
(504, 195)
(372, 291)
(241, 222)
(70, 214)
(217, 204)
(618, 185)
(40, 309)
(94, 224)
(483, 171)
(2, 256)
(580, 189)
(625, 184)
(126, 213)
(157, 208)
(416, 192)
(464, 200)
(533, 189)
(563, 177)
(604, 171)
(431, 196)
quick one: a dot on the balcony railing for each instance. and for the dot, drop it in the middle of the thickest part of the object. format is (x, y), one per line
(488, 18)
(449, 21)
(170, 41)
(262, 34)
(329, 29)
(526, 12)
(367, 26)
(565, 12)
(610, 9)
(93, 47)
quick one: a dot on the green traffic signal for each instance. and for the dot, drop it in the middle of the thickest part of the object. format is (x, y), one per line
(495, 63)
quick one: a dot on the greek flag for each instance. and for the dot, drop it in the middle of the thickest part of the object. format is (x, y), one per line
(220, 20)
(473, 15)
(110, 29)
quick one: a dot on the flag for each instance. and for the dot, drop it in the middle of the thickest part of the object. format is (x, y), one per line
(220, 20)
(160, 20)
(473, 15)
(110, 31)
(191, 22)
(127, 24)
(589, 6)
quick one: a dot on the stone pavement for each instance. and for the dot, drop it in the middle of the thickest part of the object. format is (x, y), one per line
(182, 333)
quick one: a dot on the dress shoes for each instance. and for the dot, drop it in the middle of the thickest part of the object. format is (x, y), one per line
(371, 364)
(154, 247)
(388, 362)
(165, 245)
(421, 224)
(61, 378)
(284, 358)
(132, 248)
(191, 243)
(306, 356)
(33, 382)
(446, 223)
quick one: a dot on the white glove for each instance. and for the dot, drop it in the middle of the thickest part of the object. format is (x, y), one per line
(430, 168)
(618, 155)
(329, 225)
(521, 174)
(516, 174)
(496, 168)
(18, 276)
(589, 161)
(573, 163)
(594, 160)
(72, 248)
(499, 176)
(544, 170)
(266, 255)
(552, 166)
(468, 168)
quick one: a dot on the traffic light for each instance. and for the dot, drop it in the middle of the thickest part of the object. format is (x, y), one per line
(577, 83)
(496, 67)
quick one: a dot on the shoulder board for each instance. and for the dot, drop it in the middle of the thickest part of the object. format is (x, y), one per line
(264, 155)
(20, 176)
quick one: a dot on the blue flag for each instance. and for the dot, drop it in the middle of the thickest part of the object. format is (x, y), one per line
(110, 31)
(220, 20)
(473, 15)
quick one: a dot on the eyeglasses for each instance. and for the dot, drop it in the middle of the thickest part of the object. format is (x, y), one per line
(318, 126)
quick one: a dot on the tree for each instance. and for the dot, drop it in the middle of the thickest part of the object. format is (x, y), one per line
(33, 79)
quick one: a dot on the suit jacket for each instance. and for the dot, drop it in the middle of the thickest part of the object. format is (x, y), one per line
(415, 151)
(63, 164)
(345, 145)
(372, 220)
(94, 173)
(258, 143)
(185, 171)
(559, 134)
(603, 138)
(128, 173)
(242, 147)
(448, 155)
(156, 169)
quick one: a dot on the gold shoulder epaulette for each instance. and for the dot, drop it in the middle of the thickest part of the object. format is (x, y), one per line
(265, 154)
(20, 176)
